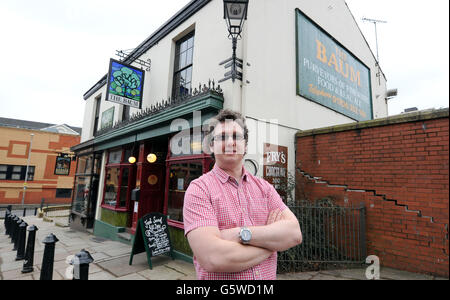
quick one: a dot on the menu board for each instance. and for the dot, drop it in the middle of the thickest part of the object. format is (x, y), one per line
(152, 236)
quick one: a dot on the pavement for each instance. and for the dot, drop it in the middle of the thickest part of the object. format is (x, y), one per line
(111, 260)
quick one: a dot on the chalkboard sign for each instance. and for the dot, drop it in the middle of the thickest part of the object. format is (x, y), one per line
(152, 236)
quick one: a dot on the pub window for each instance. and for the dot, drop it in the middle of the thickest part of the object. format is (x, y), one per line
(63, 193)
(125, 113)
(86, 183)
(97, 113)
(118, 180)
(3, 171)
(182, 78)
(180, 176)
(11, 172)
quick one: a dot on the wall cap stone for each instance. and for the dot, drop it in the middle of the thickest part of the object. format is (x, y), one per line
(422, 115)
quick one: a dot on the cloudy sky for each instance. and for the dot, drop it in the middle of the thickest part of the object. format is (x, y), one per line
(53, 51)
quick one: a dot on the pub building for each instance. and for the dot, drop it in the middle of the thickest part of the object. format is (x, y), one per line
(297, 65)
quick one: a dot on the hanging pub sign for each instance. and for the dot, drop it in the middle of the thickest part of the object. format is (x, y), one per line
(329, 74)
(125, 84)
(152, 237)
(62, 166)
(275, 167)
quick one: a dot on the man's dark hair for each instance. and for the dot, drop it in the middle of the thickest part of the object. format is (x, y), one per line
(222, 117)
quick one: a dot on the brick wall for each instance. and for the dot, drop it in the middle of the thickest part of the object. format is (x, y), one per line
(398, 167)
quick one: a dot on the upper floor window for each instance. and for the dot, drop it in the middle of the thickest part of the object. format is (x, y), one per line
(9, 172)
(184, 50)
(97, 101)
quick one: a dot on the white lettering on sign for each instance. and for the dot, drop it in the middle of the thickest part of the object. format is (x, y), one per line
(276, 157)
(158, 240)
(123, 100)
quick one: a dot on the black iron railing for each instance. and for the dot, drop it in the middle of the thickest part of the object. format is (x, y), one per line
(332, 237)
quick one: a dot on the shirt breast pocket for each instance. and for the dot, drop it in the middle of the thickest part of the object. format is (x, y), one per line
(259, 211)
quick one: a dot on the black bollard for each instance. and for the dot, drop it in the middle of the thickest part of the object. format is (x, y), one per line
(29, 253)
(80, 264)
(49, 257)
(16, 232)
(7, 218)
(13, 226)
(21, 239)
(10, 220)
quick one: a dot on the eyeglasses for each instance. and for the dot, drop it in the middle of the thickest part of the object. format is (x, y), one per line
(225, 137)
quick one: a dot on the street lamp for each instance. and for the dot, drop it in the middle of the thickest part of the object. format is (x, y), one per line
(234, 13)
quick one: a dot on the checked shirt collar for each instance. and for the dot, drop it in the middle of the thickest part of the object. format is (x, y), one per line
(224, 177)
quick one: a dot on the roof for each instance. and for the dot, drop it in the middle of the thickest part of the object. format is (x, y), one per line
(23, 124)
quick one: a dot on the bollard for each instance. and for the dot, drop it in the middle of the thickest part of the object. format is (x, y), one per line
(21, 238)
(7, 218)
(16, 223)
(12, 227)
(29, 253)
(10, 221)
(80, 264)
(49, 257)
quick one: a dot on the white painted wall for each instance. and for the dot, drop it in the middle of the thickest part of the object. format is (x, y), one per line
(268, 46)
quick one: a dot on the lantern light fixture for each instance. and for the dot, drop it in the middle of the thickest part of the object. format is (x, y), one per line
(235, 13)
(151, 158)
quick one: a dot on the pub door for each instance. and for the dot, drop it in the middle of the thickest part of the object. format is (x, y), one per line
(151, 198)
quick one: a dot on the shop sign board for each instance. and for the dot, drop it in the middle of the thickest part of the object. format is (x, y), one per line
(152, 236)
(125, 84)
(275, 168)
(62, 166)
(328, 74)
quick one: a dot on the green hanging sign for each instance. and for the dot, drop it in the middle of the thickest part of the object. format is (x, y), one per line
(125, 84)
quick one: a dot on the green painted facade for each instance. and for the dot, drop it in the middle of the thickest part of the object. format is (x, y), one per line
(114, 218)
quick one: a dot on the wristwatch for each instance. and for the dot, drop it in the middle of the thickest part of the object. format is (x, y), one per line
(245, 235)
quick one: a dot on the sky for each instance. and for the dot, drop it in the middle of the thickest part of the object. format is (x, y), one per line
(53, 51)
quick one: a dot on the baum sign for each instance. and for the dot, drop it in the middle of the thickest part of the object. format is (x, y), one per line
(330, 75)
(275, 167)
(125, 84)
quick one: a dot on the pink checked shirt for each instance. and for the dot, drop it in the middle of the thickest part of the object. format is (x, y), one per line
(216, 199)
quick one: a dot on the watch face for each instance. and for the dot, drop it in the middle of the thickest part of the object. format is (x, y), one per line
(246, 235)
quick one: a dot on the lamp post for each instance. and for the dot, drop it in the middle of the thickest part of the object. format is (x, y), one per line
(26, 172)
(235, 14)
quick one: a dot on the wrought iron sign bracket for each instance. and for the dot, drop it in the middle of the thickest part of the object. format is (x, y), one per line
(235, 64)
(144, 64)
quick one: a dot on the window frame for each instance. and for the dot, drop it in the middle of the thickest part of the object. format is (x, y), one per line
(22, 173)
(123, 164)
(176, 67)
(207, 165)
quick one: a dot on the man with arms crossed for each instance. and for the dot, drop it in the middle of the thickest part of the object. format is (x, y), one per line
(235, 222)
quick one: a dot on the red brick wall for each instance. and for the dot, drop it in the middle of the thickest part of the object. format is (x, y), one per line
(398, 168)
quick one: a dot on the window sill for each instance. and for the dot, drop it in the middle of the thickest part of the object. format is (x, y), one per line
(176, 224)
(118, 209)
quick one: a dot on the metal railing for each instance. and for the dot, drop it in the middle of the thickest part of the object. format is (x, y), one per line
(333, 237)
(19, 210)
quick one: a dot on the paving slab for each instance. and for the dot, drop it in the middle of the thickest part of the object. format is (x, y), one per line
(134, 276)
(297, 276)
(119, 266)
(162, 273)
